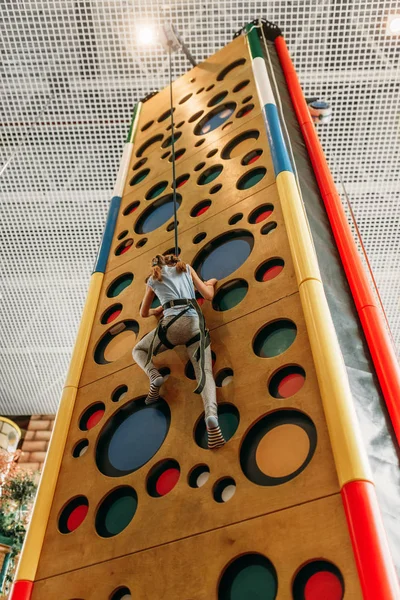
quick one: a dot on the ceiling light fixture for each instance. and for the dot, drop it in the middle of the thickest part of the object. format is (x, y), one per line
(393, 25)
(146, 34)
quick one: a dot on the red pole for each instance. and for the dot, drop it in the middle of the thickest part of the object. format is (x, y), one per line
(380, 345)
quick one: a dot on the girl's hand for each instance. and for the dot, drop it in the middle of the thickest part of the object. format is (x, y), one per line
(157, 312)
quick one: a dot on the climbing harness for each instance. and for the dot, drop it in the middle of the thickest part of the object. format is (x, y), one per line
(203, 336)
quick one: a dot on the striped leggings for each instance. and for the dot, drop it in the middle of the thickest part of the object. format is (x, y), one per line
(180, 332)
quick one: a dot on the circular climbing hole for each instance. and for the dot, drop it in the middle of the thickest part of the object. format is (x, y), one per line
(180, 124)
(119, 393)
(215, 118)
(249, 576)
(147, 125)
(200, 142)
(199, 237)
(230, 295)
(278, 447)
(210, 87)
(139, 164)
(165, 115)
(111, 313)
(166, 154)
(200, 208)
(168, 142)
(141, 243)
(163, 477)
(156, 190)
(318, 580)
(116, 342)
(227, 70)
(227, 125)
(80, 448)
(178, 154)
(274, 338)
(224, 377)
(196, 116)
(189, 371)
(131, 208)
(158, 213)
(122, 593)
(139, 177)
(199, 476)
(287, 381)
(119, 284)
(217, 98)
(240, 86)
(261, 213)
(235, 219)
(122, 234)
(216, 188)
(210, 174)
(73, 514)
(92, 416)
(251, 178)
(185, 98)
(116, 511)
(182, 179)
(251, 157)
(124, 247)
(247, 99)
(270, 269)
(240, 144)
(244, 111)
(224, 489)
(212, 153)
(228, 417)
(165, 372)
(200, 90)
(171, 226)
(124, 444)
(199, 166)
(268, 227)
(224, 255)
(171, 251)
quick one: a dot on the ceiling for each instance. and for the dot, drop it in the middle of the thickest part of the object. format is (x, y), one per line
(71, 74)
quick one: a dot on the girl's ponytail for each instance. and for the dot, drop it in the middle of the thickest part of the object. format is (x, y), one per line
(156, 264)
(170, 260)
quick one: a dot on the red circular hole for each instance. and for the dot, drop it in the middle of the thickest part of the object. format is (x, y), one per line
(94, 418)
(167, 481)
(202, 210)
(114, 315)
(290, 385)
(200, 301)
(77, 517)
(272, 272)
(323, 585)
(262, 216)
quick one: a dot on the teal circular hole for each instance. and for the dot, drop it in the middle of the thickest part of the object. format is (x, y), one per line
(228, 417)
(119, 284)
(216, 117)
(251, 576)
(218, 98)
(122, 593)
(156, 190)
(230, 295)
(168, 142)
(116, 512)
(210, 174)
(251, 178)
(275, 338)
(139, 177)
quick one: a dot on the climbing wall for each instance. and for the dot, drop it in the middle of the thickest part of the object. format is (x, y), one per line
(142, 508)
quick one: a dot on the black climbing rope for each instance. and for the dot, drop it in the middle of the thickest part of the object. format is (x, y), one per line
(173, 154)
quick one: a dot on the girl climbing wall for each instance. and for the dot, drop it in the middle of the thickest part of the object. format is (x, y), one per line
(181, 323)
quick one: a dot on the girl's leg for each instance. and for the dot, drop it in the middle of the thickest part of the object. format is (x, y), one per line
(209, 396)
(139, 354)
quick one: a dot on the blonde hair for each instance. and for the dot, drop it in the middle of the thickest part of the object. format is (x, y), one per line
(169, 260)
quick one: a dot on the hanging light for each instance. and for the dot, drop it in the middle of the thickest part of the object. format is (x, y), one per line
(146, 34)
(393, 25)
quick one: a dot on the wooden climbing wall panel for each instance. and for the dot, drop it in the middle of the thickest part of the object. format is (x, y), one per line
(142, 508)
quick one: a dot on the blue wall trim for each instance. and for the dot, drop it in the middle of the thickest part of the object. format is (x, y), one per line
(105, 244)
(280, 156)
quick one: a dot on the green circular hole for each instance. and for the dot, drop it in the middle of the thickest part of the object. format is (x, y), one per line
(230, 295)
(275, 338)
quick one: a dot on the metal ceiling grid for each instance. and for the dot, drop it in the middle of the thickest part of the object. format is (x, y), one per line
(71, 74)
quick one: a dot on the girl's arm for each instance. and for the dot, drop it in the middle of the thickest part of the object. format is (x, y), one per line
(206, 288)
(145, 310)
